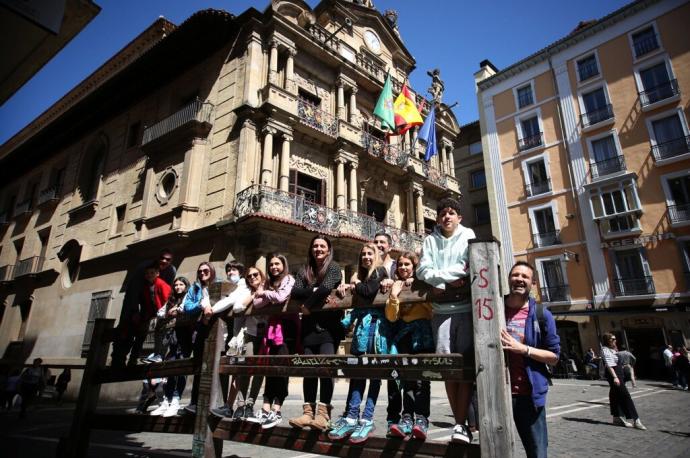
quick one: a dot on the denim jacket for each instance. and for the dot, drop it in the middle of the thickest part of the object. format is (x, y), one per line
(192, 301)
(536, 371)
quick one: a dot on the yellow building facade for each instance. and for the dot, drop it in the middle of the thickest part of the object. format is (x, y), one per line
(588, 162)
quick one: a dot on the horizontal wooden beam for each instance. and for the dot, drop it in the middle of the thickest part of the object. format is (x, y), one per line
(317, 442)
(180, 424)
(146, 371)
(404, 367)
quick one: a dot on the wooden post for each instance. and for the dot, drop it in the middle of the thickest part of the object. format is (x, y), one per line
(204, 444)
(493, 382)
(77, 444)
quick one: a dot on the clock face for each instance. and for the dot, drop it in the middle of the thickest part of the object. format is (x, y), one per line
(372, 41)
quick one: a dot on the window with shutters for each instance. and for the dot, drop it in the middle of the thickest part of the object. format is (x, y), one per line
(307, 186)
(98, 309)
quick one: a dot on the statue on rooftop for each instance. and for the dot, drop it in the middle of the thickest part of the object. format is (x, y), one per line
(437, 86)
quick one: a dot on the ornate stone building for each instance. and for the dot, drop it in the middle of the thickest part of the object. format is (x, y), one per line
(470, 173)
(226, 137)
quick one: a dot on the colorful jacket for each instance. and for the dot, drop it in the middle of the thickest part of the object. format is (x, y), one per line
(536, 371)
(274, 331)
(192, 301)
(151, 305)
(415, 321)
(445, 260)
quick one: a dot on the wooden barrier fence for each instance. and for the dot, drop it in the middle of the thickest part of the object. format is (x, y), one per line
(209, 433)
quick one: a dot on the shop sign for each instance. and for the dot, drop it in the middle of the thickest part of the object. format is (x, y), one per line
(641, 240)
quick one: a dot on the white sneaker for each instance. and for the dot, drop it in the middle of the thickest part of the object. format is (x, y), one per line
(638, 425)
(160, 410)
(462, 434)
(173, 408)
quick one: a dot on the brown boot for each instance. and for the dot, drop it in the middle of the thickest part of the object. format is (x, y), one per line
(323, 416)
(304, 420)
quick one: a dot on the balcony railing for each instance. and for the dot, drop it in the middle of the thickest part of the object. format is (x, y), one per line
(608, 166)
(661, 92)
(633, 286)
(679, 213)
(392, 154)
(322, 36)
(49, 194)
(671, 148)
(530, 142)
(543, 239)
(197, 111)
(557, 293)
(6, 273)
(534, 189)
(596, 116)
(23, 207)
(295, 208)
(29, 266)
(645, 44)
(312, 116)
(371, 67)
(435, 176)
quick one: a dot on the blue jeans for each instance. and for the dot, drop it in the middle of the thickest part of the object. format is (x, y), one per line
(530, 422)
(357, 387)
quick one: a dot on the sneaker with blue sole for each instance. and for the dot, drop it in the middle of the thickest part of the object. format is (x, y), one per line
(344, 430)
(362, 431)
(401, 429)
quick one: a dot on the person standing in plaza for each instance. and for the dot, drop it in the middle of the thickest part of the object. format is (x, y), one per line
(532, 343)
(619, 398)
(668, 363)
(444, 266)
(627, 360)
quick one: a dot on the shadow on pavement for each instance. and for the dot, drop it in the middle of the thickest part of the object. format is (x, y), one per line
(587, 420)
(676, 433)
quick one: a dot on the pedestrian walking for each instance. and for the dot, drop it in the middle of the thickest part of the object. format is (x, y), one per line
(620, 402)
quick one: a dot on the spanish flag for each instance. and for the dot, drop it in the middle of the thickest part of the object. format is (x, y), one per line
(406, 113)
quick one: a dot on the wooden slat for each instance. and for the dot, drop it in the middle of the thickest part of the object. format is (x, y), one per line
(316, 442)
(146, 371)
(412, 367)
(181, 424)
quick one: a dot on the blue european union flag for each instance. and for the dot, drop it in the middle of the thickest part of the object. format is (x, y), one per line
(428, 133)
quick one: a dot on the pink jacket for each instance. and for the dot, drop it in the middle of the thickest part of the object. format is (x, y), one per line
(274, 330)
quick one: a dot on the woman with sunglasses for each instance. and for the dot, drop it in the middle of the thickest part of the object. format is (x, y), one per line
(280, 339)
(619, 398)
(254, 334)
(197, 304)
(321, 332)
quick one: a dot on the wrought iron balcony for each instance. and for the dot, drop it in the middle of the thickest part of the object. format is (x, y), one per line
(645, 45)
(596, 116)
(392, 154)
(49, 194)
(587, 70)
(29, 266)
(296, 209)
(323, 37)
(534, 189)
(543, 239)
(530, 142)
(435, 176)
(556, 293)
(6, 273)
(23, 207)
(608, 166)
(661, 92)
(679, 213)
(312, 116)
(633, 286)
(671, 148)
(197, 113)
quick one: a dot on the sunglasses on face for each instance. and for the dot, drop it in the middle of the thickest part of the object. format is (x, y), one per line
(204, 271)
(253, 275)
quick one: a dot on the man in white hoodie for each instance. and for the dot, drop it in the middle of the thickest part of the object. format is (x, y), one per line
(445, 265)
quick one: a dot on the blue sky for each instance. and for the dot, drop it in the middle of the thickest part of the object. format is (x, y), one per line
(453, 35)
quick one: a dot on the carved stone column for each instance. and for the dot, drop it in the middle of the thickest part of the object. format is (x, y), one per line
(247, 149)
(290, 84)
(353, 186)
(354, 113)
(267, 160)
(273, 62)
(451, 161)
(443, 166)
(284, 184)
(340, 184)
(252, 76)
(418, 194)
(341, 99)
(411, 220)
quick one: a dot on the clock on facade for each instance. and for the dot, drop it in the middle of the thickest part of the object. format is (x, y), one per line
(372, 41)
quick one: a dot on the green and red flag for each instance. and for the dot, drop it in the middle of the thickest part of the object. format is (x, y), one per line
(384, 106)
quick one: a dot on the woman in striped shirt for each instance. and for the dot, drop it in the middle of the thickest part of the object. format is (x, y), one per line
(619, 398)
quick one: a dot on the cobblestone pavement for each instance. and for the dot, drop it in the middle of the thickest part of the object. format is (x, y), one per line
(578, 421)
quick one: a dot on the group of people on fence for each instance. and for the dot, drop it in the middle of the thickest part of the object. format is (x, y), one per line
(185, 315)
